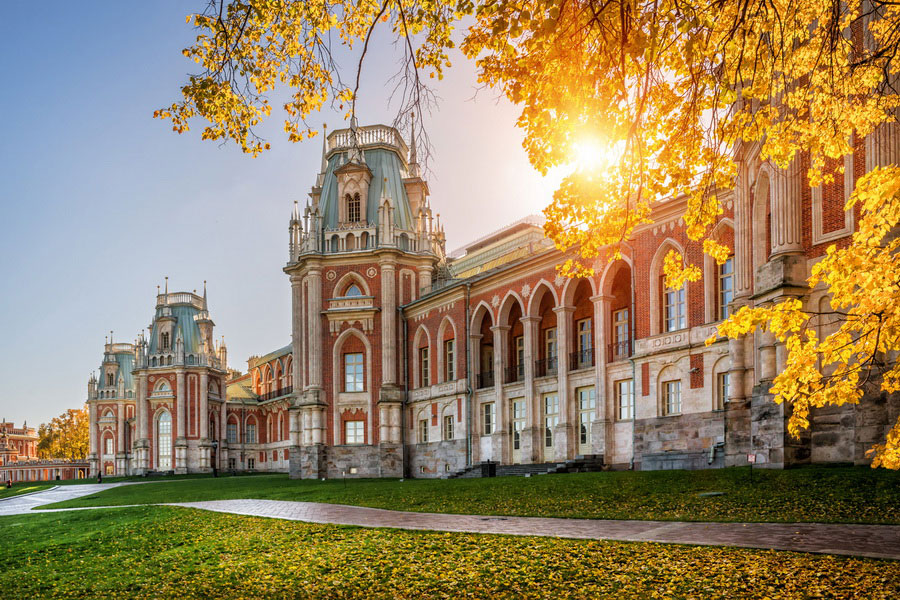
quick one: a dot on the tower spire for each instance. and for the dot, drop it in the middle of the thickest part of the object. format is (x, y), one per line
(413, 154)
(205, 307)
(167, 285)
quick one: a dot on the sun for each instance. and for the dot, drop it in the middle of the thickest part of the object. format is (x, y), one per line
(592, 154)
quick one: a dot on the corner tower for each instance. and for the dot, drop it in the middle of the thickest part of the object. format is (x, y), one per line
(365, 245)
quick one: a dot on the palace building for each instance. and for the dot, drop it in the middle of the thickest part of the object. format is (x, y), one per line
(409, 362)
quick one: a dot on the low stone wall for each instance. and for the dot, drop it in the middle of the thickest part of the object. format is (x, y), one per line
(336, 462)
(436, 459)
(679, 442)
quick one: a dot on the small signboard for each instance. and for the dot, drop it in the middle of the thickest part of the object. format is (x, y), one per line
(751, 458)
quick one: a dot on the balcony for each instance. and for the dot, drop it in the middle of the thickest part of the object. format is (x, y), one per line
(581, 359)
(546, 367)
(285, 391)
(620, 350)
(515, 373)
(484, 380)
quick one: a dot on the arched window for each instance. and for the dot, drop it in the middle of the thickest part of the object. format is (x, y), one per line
(353, 290)
(109, 379)
(164, 340)
(164, 441)
(353, 208)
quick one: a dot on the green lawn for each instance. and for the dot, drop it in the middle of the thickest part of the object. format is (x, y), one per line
(23, 488)
(162, 552)
(851, 495)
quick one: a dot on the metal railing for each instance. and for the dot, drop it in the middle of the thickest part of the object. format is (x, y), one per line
(546, 366)
(581, 359)
(484, 379)
(286, 390)
(515, 373)
(619, 350)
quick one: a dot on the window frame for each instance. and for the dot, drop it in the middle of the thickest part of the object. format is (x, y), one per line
(675, 300)
(422, 431)
(448, 428)
(450, 359)
(250, 433)
(723, 389)
(358, 436)
(617, 394)
(584, 433)
(358, 381)
(488, 418)
(551, 419)
(671, 389)
(424, 367)
(231, 428)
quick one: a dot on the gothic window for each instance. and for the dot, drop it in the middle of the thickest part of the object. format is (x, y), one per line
(109, 379)
(353, 208)
(231, 434)
(352, 291)
(164, 340)
(250, 434)
(424, 367)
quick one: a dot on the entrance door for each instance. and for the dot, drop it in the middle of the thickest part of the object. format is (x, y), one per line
(551, 420)
(517, 426)
(587, 412)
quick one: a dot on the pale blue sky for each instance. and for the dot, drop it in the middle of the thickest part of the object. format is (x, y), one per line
(100, 201)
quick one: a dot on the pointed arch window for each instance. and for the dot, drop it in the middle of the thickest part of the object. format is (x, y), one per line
(164, 441)
(352, 291)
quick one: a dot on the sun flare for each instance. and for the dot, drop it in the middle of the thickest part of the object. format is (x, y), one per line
(592, 154)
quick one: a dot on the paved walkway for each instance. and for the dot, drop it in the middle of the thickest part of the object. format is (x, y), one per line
(876, 541)
(17, 505)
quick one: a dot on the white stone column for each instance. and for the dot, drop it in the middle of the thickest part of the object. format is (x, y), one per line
(296, 331)
(563, 436)
(120, 438)
(743, 238)
(786, 230)
(602, 429)
(315, 328)
(388, 323)
(500, 436)
(531, 436)
(204, 406)
(92, 415)
(181, 438)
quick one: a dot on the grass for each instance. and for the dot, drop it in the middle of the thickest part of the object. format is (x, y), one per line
(836, 495)
(165, 552)
(23, 488)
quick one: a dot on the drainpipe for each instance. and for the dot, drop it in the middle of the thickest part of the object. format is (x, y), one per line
(469, 375)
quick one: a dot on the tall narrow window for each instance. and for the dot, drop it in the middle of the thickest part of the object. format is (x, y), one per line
(448, 427)
(423, 431)
(551, 417)
(487, 418)
(722, 390)
(673, 307)
(231, 433)
(726, 287)
(250, 434)
(164, 340)
(550, 348)
(109, 379)
(520, 356)
(353, 205)
(624, 393)
(671, 397)
(109, 446)
(353, 372)
(354, 432)
(585, 358)
(621, 338)
(587, 412)
(164, 441)
(424, 367)
(449, 360)
(518, 422)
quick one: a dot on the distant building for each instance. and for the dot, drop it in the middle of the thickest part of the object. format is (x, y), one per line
(19, 461)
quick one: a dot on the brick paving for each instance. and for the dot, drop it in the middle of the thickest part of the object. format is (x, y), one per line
(875, 541)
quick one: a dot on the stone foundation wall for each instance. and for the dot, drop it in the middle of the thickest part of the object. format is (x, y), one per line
(679, 442)
(433, 459)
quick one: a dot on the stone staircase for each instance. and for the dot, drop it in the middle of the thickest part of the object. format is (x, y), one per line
(579, 464)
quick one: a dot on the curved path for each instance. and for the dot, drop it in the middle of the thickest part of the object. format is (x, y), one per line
(875, 541)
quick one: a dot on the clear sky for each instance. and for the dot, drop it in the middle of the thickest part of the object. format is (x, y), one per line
(100, 201)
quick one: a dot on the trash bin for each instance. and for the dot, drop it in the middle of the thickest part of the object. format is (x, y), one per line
(489, 469)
